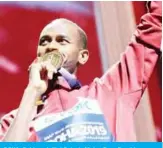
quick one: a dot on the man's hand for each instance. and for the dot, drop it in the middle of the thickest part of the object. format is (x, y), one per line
(39, 74)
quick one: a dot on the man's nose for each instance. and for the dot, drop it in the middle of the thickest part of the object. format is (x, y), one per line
(52, 47)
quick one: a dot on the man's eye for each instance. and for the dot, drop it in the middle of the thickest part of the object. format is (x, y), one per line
(62, 40)
(44, 40)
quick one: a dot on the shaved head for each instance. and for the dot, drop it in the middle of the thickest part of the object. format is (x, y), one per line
(82, 34)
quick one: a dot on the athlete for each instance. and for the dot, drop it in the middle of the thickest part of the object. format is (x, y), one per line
(56, 107)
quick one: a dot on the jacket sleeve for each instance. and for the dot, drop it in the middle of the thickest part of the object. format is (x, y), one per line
(136, 64)
(5, 123)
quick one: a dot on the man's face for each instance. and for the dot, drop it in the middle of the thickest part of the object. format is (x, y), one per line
(63, 37)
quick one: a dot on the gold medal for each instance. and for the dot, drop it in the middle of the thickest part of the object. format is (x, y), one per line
(56, 59)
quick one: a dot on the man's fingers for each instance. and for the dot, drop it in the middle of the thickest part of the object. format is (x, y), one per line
(45, 69)
(50, 75)
(35, 74)
(50, 69)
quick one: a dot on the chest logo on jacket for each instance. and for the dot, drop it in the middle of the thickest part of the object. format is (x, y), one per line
(83, 122)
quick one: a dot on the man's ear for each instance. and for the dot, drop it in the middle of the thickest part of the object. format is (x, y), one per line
(83, 56)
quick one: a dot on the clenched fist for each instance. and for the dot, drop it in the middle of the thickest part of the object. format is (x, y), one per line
(39, 74)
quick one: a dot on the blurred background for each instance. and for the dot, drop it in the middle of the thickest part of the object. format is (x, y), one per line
(109, 26)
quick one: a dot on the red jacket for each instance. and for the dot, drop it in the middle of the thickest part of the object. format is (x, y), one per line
(74, 115)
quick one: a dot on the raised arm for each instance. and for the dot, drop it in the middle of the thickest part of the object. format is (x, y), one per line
(136, 64)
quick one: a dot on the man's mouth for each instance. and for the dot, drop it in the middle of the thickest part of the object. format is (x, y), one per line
(55, 57)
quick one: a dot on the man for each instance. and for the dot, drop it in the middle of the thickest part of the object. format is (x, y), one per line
(100, 111)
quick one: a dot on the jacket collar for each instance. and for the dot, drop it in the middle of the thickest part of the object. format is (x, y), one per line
(68, 80)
